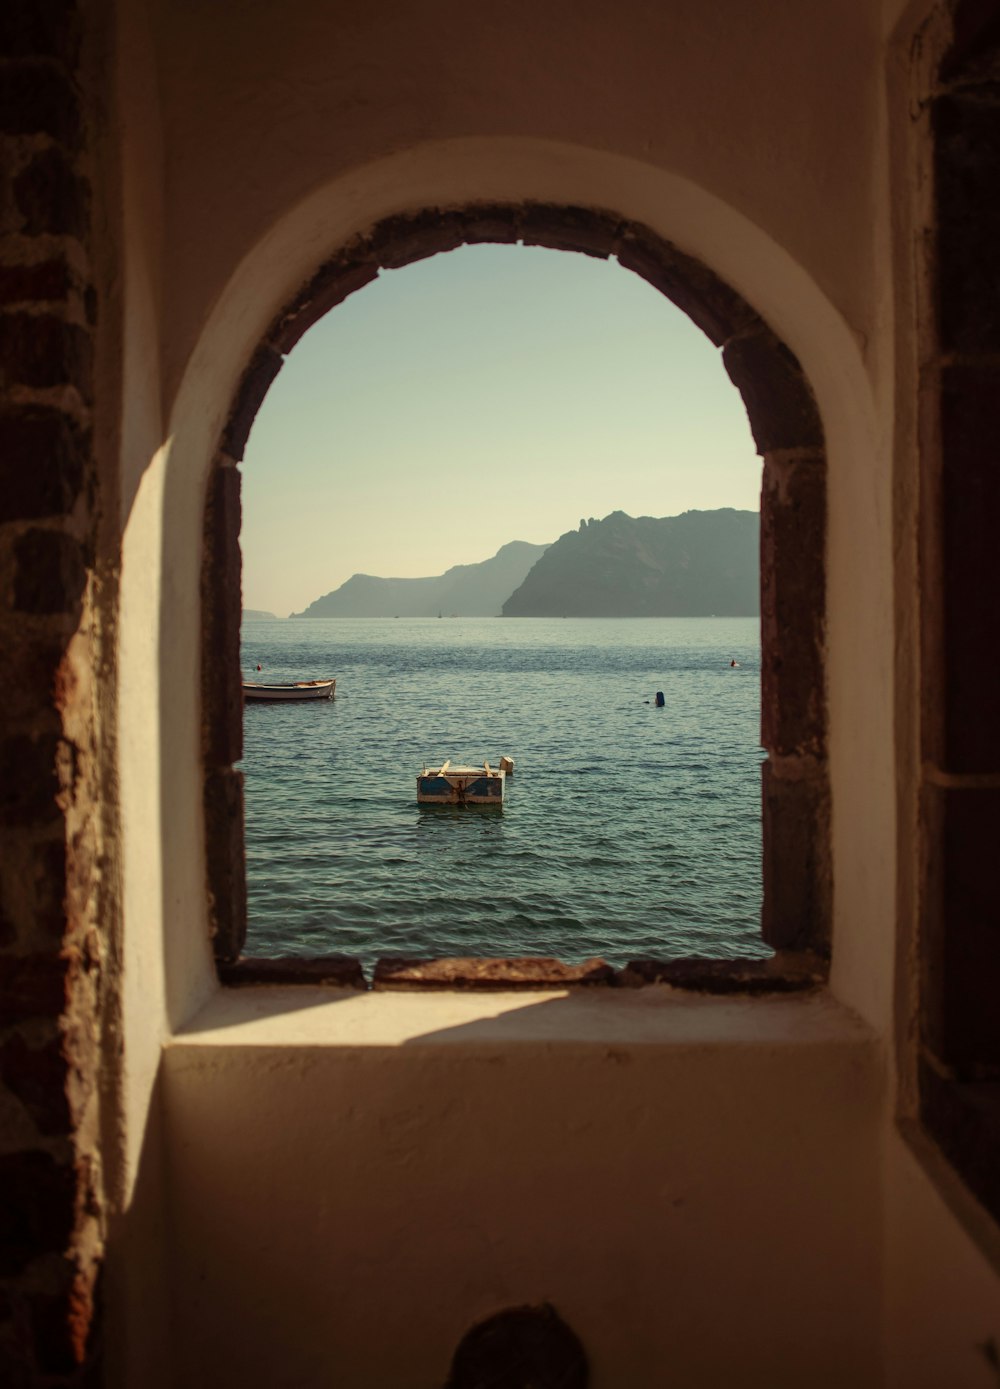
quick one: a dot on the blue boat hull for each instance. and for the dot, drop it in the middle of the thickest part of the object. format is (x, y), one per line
(461, 788)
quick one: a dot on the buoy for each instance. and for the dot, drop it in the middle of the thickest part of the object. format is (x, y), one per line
(660, 701)
(733, 662)
(259, 667)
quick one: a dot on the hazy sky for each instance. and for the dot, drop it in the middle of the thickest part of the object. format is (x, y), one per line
(494, 393)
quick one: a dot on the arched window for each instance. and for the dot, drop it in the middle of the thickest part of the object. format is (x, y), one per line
(789, 437)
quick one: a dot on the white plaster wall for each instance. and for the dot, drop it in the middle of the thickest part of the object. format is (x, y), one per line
(859, 548)
(770, 105)
(136, 1287)
(692, 1183)
(328, 1080)
(393, 1169)
(749, 139)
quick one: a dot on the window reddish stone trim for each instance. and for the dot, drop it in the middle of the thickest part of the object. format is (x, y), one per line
(530, 972)
(789, 435)
(222, 710)
(330, 971)
(959, 1075)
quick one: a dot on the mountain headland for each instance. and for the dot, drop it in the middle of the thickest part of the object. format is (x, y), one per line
(698, 564)
(468, 590)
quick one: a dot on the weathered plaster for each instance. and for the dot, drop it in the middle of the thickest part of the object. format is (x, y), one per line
(297, 97)
(689, 1154)
(701, 1187)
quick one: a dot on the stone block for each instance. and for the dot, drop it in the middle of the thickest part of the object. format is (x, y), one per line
(796, 859)
(38, 97)
(34, 986)
(967, 210)
(39, 351)
(974, 55)
(779, 401)
(222, 688)
(793, 607)
(34, 659)
(964, 1119)
(32, 889)
(51, 197)
(495, 223)
(970, 524)
(710, 303)
(17, 1366)
(43, 281)
(52, 1328)
(398, 241)
(478, 973)
(37, 1075)
(50, 573)
(29, 779)
(43, 457)
(330, 286)
(780, 974)
(578, 229)
(326, 971)
(225, 861)
(40, 29)
(254, 386)
(961, 1022)
(37, 1198)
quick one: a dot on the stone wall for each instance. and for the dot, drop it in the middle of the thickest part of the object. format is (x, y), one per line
(960, 1063)
(50, 835)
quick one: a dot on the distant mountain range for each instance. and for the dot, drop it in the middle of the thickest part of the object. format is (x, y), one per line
(468, 590)
(258, 613)
(698, 564)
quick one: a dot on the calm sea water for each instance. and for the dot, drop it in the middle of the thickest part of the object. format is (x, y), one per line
(627, 829)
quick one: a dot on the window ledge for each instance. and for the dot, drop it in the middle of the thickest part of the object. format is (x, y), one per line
(328, 1017)
(784, 972)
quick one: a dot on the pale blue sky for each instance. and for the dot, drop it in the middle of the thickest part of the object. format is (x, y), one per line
(494, 393)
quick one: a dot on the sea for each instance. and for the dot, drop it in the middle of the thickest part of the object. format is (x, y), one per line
(627, 829)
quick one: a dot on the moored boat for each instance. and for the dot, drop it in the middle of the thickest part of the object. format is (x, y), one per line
(448, 785)
(295, 690)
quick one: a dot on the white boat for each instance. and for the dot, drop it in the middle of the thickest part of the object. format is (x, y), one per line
(448, 785)
(299, 689)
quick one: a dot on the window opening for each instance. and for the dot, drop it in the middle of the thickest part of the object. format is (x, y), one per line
(787, 433)
(463, 411)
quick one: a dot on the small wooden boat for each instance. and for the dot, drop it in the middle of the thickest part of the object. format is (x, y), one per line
(299, 689)
(448, 785)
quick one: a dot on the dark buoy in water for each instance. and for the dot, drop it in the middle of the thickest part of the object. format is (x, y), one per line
(733, 662)
(660, 701)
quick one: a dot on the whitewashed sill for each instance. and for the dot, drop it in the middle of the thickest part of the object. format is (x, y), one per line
(302, 1016)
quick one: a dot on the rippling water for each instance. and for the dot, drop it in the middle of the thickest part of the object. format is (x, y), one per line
(627, 829)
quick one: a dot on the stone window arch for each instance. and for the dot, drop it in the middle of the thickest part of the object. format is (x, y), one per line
(788, 434)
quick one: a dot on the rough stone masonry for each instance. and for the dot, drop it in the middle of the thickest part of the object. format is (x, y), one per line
(51, 629)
